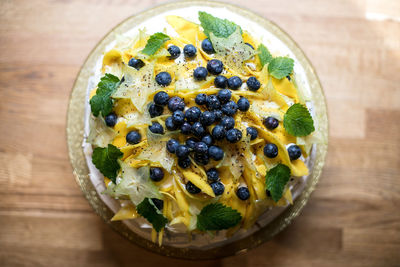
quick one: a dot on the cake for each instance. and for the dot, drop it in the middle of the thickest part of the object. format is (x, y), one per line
(198, 122)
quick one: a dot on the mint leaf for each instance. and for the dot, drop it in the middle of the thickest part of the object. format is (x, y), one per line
(148, 210)
(154, 43)
(106, 161)
(102, 102)
(280, 67)
(276, 180)
(298, 121)
(264, 55)
(219, 27)
(216, 216)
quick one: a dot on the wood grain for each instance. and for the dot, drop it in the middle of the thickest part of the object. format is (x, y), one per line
(353, 217)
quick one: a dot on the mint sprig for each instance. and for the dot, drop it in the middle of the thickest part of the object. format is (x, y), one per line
(106, 161)
(219, 27)
(276, 180)
(102, 102)
(151, 213)
(264, 55)
(280, 67)
(154, 43)
(298, 121)
(216, 216)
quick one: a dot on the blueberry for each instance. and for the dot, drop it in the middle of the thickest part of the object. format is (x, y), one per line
(201, 99)
(227, 122)
(156, 128)
(218, 114)
(191, 142)
(198, 129)
(200, 73)
(163, 78)
(172, 144)
(136, 63)
(270, 150)
(243, 104)
(215, 152)
(186, 128)
(170, 124)
(252, 47)
(207, 139)
(189, 51)
(252, 132)
(233, 135)
(215, 66)
(220, 81)
(174, 52)
(212, 175)
(218, 188)
(271, 123)
(207, 118)
(178, 117)
(253, 84)
(133, 137)
(192, 114)
(234, 82)
(182, 151)
(155, 110)
(243, 193)
(212, 102)
(156, 174)
(176, 103)
(224, 95)
(184, 163)
(201, 148)
(111, 119)
(294, 152)
(218, 132)
(229, 108)
(207, 46)
(191, 188)
(161, 98)
(202, 159)
(159, 203)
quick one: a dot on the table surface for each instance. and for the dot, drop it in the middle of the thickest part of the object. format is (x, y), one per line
(352, 218)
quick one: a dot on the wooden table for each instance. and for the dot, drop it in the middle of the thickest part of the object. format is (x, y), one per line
(352, 219)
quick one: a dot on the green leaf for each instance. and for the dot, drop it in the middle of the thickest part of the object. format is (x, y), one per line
(216, 216)
(276, 180)
(219, 27)
(106, 161)
(280, 67)
(148, 210)
(154, 43)
(264, 55)
(101, 102)
(298, 121)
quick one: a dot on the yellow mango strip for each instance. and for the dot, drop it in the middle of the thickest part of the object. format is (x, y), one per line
(112, 56)
(123, 107)
(186, 29)
(199, 182)
(106, 181)
(132, 150)
(288, 196)
(153, 235)
(284, 86)
(180, 197)
(168, 194)
(160, 237)
(92, 93)
(125, 213)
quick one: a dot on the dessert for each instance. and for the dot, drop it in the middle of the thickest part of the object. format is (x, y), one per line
(199, 129)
